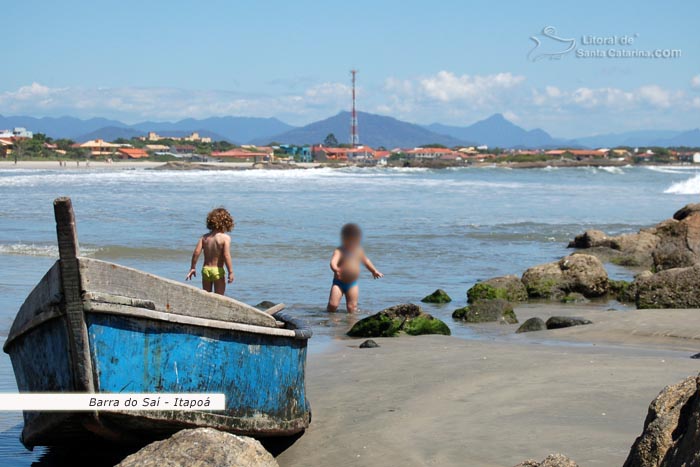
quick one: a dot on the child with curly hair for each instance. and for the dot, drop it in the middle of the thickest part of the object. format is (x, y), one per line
(216, 245)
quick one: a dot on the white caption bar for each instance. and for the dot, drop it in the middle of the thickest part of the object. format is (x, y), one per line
(62, 402)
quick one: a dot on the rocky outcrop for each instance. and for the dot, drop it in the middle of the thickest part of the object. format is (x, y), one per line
(531, 325)
(265, 305)
(673, 243)
(671, 434)
(485, 311)
(674, 288)
(439, 296)
(552, 460)
(400, 319)
(202, 447)
(579, 273)
(559, 322)
(508, 288)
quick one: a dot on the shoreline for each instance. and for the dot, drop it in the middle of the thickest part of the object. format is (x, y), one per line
(222, 166)
(438, 400)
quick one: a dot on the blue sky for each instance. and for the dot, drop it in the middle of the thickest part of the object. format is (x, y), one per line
(452, 62)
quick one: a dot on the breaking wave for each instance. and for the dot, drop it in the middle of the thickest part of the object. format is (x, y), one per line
(686, 187)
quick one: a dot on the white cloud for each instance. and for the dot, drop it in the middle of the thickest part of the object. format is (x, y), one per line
(134, 103)
(644, 97)
(695, 81)
(446, 86)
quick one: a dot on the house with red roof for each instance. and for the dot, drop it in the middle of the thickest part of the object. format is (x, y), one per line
(131, 153)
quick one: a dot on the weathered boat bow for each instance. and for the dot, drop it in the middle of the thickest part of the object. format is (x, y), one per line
(94, 326)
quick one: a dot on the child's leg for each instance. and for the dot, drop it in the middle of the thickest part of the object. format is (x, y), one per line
(334, 298)
(351, 297)
(220, 286)
(207, 285)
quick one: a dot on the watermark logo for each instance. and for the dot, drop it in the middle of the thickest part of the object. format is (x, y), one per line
(550, 45)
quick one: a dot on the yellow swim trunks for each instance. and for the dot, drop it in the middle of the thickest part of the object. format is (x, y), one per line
(212, 273)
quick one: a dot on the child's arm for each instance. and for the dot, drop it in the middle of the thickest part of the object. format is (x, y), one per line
(370, 267)
(195, 257)
(335, 263)
(227, 258)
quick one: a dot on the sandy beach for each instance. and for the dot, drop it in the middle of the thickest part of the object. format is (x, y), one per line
(120, 165)
(446, 401)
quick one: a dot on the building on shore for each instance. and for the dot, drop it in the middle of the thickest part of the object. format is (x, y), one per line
(131, 153)
(430, 153)
(99, 147)
(192, 137)
(183, 150)
(17, 133)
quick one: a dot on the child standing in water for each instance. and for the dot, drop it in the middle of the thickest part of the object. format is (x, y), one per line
(345, 265)
(216, 245)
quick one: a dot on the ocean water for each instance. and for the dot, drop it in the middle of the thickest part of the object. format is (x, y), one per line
(424, 229)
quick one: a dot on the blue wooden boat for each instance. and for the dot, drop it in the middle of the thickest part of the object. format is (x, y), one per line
(93, 326)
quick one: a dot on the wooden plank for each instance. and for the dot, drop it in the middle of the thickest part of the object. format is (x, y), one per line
(144, 313)
(274, 309)
(68, 251)
(167, 295)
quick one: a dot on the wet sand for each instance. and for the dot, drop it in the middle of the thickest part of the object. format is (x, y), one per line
(437, 400)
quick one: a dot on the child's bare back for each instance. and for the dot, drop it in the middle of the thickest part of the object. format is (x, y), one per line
(216, 246)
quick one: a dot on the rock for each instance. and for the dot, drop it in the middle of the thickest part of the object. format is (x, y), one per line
(673, 288)
(531, 325)
(580, 273)
(679, 244)
(622, 291)
(439, 296)
(552, 460)
(202, 447)
(696, 356)
(264, 305)
(590, 239)
(574, 297)
(508, 288)
(686, 211)
(558, 322)
(369, 344)
(485, 311)
(407, 318)
(669, 429)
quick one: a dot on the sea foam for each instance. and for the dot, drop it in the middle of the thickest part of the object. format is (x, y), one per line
(686, 187)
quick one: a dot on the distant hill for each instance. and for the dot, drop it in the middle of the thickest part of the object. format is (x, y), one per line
(629, 138)
(497, 131)
(233, 129)
(60, 127)
(687, 138)
(375, 131)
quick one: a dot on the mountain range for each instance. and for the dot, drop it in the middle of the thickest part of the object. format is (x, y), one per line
(375, 131)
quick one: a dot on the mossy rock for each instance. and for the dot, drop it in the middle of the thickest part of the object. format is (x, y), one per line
(545, 288)
(379, 325)
(426, 324)
(622, 290)
(439, 296)
(508, 288)
(390, 322)
(574, 297)
(487, 311)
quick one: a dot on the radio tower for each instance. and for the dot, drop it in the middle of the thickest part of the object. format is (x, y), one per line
(354, 135)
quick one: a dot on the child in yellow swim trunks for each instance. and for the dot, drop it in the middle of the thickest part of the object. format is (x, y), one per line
(216, 245)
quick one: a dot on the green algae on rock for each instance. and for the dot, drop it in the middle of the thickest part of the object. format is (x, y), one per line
(508, 288)
(439, 296)
(400, 319)
(486, 311)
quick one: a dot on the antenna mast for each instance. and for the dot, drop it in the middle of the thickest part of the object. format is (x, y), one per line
(354, 135)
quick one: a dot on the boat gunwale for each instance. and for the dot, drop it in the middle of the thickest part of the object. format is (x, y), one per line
(299, 329)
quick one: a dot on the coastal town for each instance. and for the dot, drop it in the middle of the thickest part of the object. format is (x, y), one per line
(24, 144)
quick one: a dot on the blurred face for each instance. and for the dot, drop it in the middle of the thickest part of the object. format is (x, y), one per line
(351, 242)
